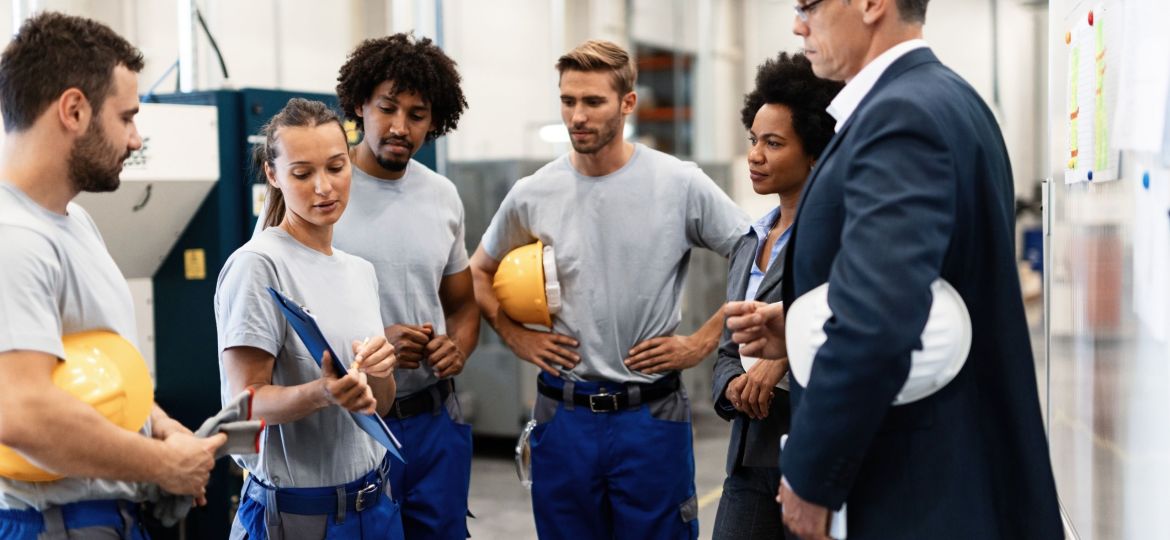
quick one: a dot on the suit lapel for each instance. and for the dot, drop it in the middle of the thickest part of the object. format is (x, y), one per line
(741, 266)
(907, 61)
(774, 274)
(786, 267)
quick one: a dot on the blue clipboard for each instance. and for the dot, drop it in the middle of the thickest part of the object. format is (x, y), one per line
(306, 328)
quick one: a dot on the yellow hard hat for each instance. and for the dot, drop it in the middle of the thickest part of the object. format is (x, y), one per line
(104, 370)
(526, 284)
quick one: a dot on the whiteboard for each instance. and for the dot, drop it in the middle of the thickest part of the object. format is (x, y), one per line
(1108, 359)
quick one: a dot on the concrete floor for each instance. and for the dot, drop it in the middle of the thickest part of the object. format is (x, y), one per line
(503, 507)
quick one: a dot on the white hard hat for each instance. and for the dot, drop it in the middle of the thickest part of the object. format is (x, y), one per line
(946, 340)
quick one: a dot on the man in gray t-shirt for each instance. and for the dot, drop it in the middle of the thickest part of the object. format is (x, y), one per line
(69, 119)
(407, 220)
(621, 219)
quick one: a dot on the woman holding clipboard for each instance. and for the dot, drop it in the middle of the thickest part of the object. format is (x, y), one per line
(317, 474)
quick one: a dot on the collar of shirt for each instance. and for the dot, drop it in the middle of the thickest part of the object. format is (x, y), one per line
(760, 229)
(764, 224)
(851, 95)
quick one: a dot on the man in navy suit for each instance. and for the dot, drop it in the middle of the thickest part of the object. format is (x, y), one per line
(915, 185)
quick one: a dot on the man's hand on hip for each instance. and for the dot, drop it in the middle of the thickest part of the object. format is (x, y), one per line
(543, 349)
(667, 353)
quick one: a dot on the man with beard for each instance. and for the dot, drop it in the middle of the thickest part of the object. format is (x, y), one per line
(69, 119)
(612, 451)
(408, 221)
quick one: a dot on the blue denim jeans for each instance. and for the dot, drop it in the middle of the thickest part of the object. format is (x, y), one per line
(748, 507)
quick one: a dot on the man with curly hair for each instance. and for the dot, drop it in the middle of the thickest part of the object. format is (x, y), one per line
(612, 455)
(69, 94)
(404, 91)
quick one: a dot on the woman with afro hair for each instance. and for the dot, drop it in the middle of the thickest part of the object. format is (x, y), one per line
(788, 127)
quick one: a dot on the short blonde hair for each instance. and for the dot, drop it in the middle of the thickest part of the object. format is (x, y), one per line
(600, 55)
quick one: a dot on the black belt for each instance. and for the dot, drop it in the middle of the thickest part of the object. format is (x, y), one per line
(422, 401)
(615, 401)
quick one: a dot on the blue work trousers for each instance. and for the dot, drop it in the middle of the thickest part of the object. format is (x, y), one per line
(618, 475)
(316, 514)
(75, 521)
(432, 487)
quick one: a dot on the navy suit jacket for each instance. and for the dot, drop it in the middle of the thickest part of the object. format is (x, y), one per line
(754, 443)
(917, 185)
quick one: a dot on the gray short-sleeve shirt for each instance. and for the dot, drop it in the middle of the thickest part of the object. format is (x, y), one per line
(411, 229)
(325, 448)
(622, 244)
(57, 278)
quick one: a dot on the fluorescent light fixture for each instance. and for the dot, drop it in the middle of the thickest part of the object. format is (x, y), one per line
(557, 133)
(554, 133)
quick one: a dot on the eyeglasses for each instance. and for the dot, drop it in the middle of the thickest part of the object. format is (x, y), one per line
(803, 11)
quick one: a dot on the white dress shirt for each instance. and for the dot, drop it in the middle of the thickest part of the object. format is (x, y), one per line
(856, 89)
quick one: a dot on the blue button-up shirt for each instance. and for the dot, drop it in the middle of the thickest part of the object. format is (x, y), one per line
(760, 229)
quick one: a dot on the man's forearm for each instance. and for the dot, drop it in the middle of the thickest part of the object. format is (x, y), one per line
(708, 334)
(463, 327)
(483, 273)
(485, 297)
(59, 433)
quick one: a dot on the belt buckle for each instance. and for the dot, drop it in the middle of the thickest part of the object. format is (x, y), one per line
(598, 402)
(360, 502)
